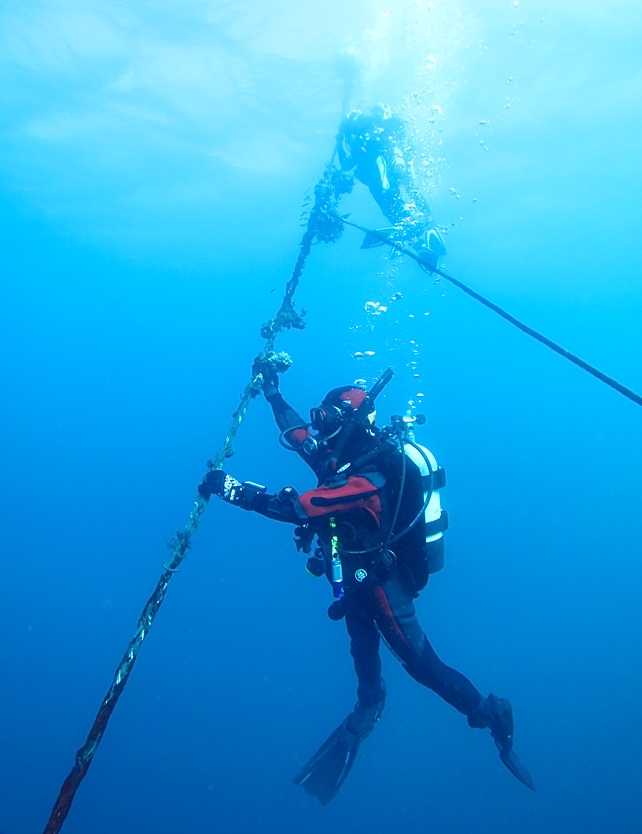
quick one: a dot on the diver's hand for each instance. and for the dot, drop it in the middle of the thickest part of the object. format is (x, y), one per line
(218, 483)
(270, 386)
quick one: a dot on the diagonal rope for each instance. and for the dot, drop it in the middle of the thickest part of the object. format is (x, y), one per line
(549, 343)
(322, 225)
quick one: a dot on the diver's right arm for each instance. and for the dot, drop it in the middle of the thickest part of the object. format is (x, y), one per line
(293, 427)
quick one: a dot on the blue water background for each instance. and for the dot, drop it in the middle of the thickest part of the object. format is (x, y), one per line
(154, 161)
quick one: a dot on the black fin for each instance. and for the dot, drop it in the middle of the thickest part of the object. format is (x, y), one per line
(512, 762)
(328, 769)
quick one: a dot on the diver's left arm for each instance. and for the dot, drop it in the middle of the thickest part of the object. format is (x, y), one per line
(250, 496)
(355, 492)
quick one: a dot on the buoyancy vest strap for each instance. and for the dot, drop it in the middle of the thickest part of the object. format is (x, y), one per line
(439, 525)
(438, 480)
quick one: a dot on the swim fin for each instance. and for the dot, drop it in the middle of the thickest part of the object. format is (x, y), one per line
(328, 769)
(378, 237)
(430, 247)
(499, 716)
(512, 762)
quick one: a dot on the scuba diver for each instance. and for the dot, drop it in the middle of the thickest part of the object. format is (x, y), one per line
(380, 150)
(377, 518)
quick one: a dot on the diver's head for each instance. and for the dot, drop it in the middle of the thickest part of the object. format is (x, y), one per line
(380, 112)
(339, 408)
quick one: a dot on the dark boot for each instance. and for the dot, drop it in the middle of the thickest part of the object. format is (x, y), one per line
(361, 721)
(496, 714)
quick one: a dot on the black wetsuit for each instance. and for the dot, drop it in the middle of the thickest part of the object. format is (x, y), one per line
(381, 605)
(381, 153)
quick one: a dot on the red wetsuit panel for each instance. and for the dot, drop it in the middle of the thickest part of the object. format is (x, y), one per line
(358, 493)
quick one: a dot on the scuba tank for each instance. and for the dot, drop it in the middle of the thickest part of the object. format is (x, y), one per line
(433, 481)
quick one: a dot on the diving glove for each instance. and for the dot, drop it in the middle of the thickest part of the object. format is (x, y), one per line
(218, 483)
(270, 386)
(230, 490)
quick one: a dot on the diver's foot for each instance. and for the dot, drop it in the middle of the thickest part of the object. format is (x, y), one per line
(430, 247)
(497, 715)
(361, 721)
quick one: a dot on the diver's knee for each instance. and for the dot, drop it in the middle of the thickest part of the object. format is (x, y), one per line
(424, 666)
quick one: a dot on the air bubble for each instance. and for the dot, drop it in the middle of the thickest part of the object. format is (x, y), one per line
(374, 308)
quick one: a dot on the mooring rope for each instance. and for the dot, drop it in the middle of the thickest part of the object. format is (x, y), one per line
(322, 225)
(549, 343)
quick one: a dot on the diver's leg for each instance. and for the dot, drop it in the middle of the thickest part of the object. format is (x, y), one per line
(364, 648)
(324, 774)
(392, 606)
(371, 690)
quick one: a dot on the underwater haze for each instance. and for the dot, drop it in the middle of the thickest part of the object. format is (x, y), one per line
(156, 158)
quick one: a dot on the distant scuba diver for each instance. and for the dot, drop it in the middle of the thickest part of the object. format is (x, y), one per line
(380, 150)
(377, 517)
